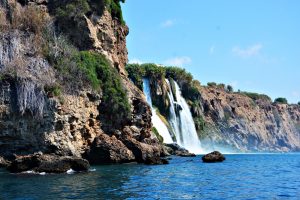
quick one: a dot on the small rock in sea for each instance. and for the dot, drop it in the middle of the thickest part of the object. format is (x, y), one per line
(156, 161)
(215, 156)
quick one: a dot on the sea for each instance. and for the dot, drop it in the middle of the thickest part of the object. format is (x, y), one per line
(240, 176)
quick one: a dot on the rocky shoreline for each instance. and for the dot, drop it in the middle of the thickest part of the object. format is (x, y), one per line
(53, 121)
(51, 163)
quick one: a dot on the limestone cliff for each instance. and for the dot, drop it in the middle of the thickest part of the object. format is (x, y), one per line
(238, 121)
(44, 109)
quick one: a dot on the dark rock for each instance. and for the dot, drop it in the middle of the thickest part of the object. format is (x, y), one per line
(156, 161)
(213, 157)
(141, 151)
(175, 149)
(48, 164)
(184, 154)
(106, 149)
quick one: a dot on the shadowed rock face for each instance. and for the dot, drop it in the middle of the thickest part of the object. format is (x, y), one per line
(48, 164)
(106, 149)
(70, 127)
(213, 157)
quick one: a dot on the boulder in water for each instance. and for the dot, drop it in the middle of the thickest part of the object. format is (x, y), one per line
(48, 163)
(175, 149)
(215, 156)
(156, 161)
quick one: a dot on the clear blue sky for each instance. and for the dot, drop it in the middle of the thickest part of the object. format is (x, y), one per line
(253, 45)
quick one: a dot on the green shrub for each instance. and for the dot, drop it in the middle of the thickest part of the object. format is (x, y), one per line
(136, 73)
(115, 9)
(179, 74)
(211, 84)
(200, 123)
(221, 86)
(229, 88)
(69, 16)
(158, 136)
(114, 107)
(299, 103)
(153, 71)
(256, 96)
(53, 90)
(281, 100)
(68, 12)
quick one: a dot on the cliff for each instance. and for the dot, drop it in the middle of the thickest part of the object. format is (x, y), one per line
(63, 88)
(225, 120)
(64, 91)
(247, 124)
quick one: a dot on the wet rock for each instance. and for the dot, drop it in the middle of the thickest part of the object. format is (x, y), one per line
(213, 157)
(106, 149)
(156, 161)
(48, 164)
(3, 162)
(175, 149)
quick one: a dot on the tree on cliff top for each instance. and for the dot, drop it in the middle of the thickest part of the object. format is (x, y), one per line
(281, 100)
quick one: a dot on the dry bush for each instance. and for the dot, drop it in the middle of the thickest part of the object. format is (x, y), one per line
(29, 18)
(16, 67)
(3, 20)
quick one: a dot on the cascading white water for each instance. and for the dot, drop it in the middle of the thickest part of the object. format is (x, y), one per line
(182, 122)
(174, 121)
(157, 122)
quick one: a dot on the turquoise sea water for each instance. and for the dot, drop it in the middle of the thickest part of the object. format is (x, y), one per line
(251, 176)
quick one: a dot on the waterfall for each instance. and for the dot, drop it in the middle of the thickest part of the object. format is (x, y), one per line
(157, 122)
(182, 122)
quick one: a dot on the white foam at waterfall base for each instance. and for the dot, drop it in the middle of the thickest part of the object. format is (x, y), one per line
(157, 122)
(183, 123)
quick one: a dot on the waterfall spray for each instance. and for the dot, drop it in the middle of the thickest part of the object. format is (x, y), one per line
(182, 121)
(157, 122)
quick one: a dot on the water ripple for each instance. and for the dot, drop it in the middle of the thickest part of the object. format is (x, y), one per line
(252, 177)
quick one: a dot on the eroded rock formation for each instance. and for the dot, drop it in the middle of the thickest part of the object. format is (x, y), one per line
(236, 120)
(34, 120)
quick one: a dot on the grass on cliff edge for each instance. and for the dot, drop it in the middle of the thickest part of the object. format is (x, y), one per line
(102, 75)
(189, 87)
(72, 11)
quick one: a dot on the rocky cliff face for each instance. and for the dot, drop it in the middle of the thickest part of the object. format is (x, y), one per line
(232, 121)
(108, 36)
(34, 120)
(235, 120)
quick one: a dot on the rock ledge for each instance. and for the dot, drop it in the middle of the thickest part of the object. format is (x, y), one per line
(48, 163)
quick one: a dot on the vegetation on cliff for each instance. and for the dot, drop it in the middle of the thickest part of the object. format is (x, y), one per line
(256, 96)
(158, 73)
(101, 74)
(74, 70)
(115, 9)
(72, 15)
(281, 100)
